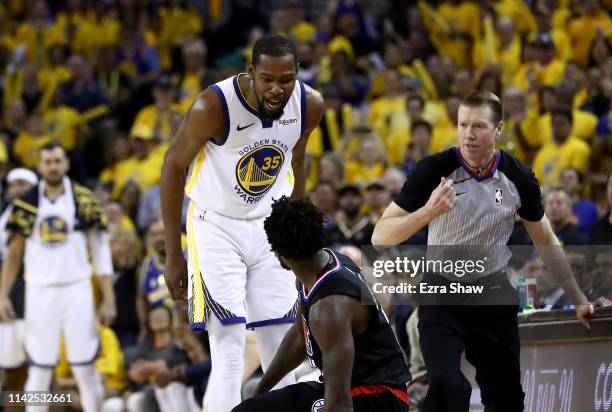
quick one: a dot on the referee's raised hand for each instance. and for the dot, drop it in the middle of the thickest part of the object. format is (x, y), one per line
(442, 199)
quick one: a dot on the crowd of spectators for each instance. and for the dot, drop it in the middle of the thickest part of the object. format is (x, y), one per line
(112, 79)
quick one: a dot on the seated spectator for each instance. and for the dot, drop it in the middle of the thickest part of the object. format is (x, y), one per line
(143, 167)
(129, 199)
(195, 76)
(29, 141)
(419, 146)
(325, 197)
(558, 209)
(550, 295)
(601, 232)
(376, 200)
(388, 112)
(158, 353)
(444, 134)
(117, 219)
(352, 227)
(158, 116)
(393, 180)
(149, 208)
(584, 210)
(82, 92)
(137, 60)
(126, 252)
(520, 135)
(331, 169)
(563, 97)
(602, 281)
(563, 151)
(15, 120)
(152, 290)
(368, 163)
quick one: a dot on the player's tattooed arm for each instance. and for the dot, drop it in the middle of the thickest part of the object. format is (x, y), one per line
(289, 355)
(203, 121)
(314, 113)
(331, 326)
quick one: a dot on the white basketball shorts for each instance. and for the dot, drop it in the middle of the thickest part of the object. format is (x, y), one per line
(233, 274)
(53, 311)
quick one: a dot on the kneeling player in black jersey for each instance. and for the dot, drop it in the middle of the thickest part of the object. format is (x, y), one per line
(340, 326)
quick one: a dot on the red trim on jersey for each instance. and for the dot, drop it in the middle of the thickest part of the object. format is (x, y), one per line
(376, 389)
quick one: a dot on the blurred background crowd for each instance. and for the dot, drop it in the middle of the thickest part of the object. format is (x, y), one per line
(112, 79)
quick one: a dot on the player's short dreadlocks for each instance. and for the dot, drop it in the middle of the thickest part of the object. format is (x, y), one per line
(295, 228)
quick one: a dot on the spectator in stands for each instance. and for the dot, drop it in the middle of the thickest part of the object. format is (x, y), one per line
(419, 147)
(29, 142)
(195, 375)
(387, 112)
(558, 209)
(15, 121)
(444, 133)
(196, 76)
(562, 152)
(152, 289)
(549, 69)
(351, 226)
(352, 82)
(82, 92)
(582, 29)
(138, 60)
(376, 199)
(157, 116)
(63, 123)
(550, 295)
(117, 219)
(325, 197)
(521, 135)
(143, 167)
(584, 210)
(129, 199)
(331, 169)
(490, 81)
(601, 232)
(393, 180)
(463, 83)
(368, 163)
(602, 281)
(126, 252)
(156, 354)
(398, 141)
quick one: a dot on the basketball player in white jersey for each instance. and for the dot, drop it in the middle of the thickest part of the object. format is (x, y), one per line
(244, 141)
(54, 228)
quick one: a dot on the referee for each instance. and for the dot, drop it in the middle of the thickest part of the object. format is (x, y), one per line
(469, 196)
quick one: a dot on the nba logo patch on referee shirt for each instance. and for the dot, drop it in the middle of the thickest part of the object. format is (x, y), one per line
(499, 197)
(318, 406)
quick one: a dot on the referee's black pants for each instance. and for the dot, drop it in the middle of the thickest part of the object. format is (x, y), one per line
(489, 336)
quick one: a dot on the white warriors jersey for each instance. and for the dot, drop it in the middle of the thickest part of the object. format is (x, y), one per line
(241, 173)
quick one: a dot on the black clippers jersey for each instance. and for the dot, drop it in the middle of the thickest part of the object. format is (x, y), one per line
(378, 357)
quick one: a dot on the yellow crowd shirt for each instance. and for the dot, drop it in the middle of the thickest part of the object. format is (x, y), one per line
(552, 158)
